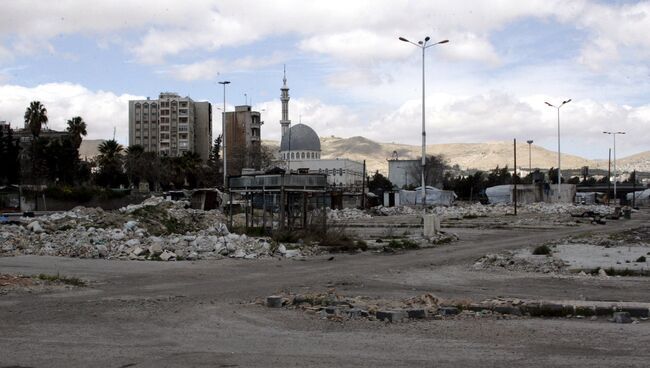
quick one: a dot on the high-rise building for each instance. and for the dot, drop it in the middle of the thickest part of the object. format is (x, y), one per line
(171, 125)
(243, 139)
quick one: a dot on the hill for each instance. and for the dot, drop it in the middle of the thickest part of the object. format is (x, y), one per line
(481, 156)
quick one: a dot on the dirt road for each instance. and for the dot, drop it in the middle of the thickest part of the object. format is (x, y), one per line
(198, 314)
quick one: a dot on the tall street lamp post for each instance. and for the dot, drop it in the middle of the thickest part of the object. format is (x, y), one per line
(223, 133)
(530, 166)
(423, 45)
(613, 134)
(559, 165)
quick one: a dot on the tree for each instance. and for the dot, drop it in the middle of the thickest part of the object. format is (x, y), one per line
(434, 170)
(214, 170)
(552, 175)
(499, 176)
(379, 183)
(110, 164)
(35, 117)
(9, 157)
(134, 164)
(77, 128)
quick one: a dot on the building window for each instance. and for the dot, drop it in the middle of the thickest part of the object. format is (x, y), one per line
(292, 155)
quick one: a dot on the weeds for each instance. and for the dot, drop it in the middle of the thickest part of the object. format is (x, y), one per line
(74, 281)
(403, 244)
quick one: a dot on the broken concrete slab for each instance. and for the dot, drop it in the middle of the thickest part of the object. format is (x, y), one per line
(391, 315)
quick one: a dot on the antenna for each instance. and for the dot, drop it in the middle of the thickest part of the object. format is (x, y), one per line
(114, 133)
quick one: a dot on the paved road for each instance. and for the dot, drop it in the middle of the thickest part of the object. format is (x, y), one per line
(198, 314)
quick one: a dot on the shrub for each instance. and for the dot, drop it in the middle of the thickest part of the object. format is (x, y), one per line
(641, 259)
(542, 250)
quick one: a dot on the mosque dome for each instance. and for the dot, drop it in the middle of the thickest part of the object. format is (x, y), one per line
(300, 137)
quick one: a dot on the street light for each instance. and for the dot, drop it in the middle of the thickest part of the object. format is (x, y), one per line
(615, 174)
(423, 45)
(223, 133)
(530, 166)
(559, 166)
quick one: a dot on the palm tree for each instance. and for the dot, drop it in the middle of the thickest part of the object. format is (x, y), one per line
(77, 128)
(110, 149)
(35, 117)
(111, 167)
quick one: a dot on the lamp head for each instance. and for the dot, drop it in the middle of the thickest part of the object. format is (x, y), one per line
(443, 41)
(403, 39)
(427, 38)
(551, 105)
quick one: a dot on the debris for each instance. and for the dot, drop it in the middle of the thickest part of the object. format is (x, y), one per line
(621, 317)
(274, 301)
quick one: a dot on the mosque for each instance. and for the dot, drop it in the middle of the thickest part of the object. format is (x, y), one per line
(300, 150)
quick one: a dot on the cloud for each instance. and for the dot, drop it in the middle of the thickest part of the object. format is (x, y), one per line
(211, 68)
(101, 110)
(206, 69)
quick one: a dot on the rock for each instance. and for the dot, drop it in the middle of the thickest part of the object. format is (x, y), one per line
(167, 256)
(138, 251)
(274, 301)
(130, 225)
(621, 317)
(192, 256)
(155, 249)
(282, 249)
(35, 227)
(391, 316)
(291, 253)
(602, 272)
(102, 250)
(180, 253)
(132, 243)
(239, 253)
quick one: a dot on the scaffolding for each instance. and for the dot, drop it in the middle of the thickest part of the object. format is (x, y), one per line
(279, 201)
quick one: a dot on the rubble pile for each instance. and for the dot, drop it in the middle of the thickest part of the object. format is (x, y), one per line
(566, 208)
(393, 211)
(156, 229)
(346, 214)
(521, 261)
(470, 211)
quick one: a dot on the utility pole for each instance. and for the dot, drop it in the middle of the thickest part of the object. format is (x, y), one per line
(514, 177)
(530, 166)
(223, 133)
(609, 176)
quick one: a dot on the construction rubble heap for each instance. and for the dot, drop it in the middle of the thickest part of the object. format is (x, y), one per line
(156, 229)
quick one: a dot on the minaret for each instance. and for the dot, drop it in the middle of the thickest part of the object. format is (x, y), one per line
(285, 122)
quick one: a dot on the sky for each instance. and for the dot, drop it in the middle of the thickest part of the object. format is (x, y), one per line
(348, 73)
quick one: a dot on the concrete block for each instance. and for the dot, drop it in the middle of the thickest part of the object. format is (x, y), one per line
(603, 311)
(636, 312)
(586, 310)
(274, 301)
(431, 225)
(621, 317)
(417, 313)
(448, 311)
(507, 309)
(391, 316)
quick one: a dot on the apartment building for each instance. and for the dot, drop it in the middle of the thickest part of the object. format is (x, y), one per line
(171, 125)
(243, 139)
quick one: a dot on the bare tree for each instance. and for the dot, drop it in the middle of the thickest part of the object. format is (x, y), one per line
(434, 171)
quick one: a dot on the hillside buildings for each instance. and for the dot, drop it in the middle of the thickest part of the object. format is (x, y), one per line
(243, 139)
(171, 125)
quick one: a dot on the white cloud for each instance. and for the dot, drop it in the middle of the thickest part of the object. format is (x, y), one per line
(206, 69)
(101, 110)
(211, 68)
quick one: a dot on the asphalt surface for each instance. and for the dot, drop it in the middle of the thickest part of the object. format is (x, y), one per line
(199, 314)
